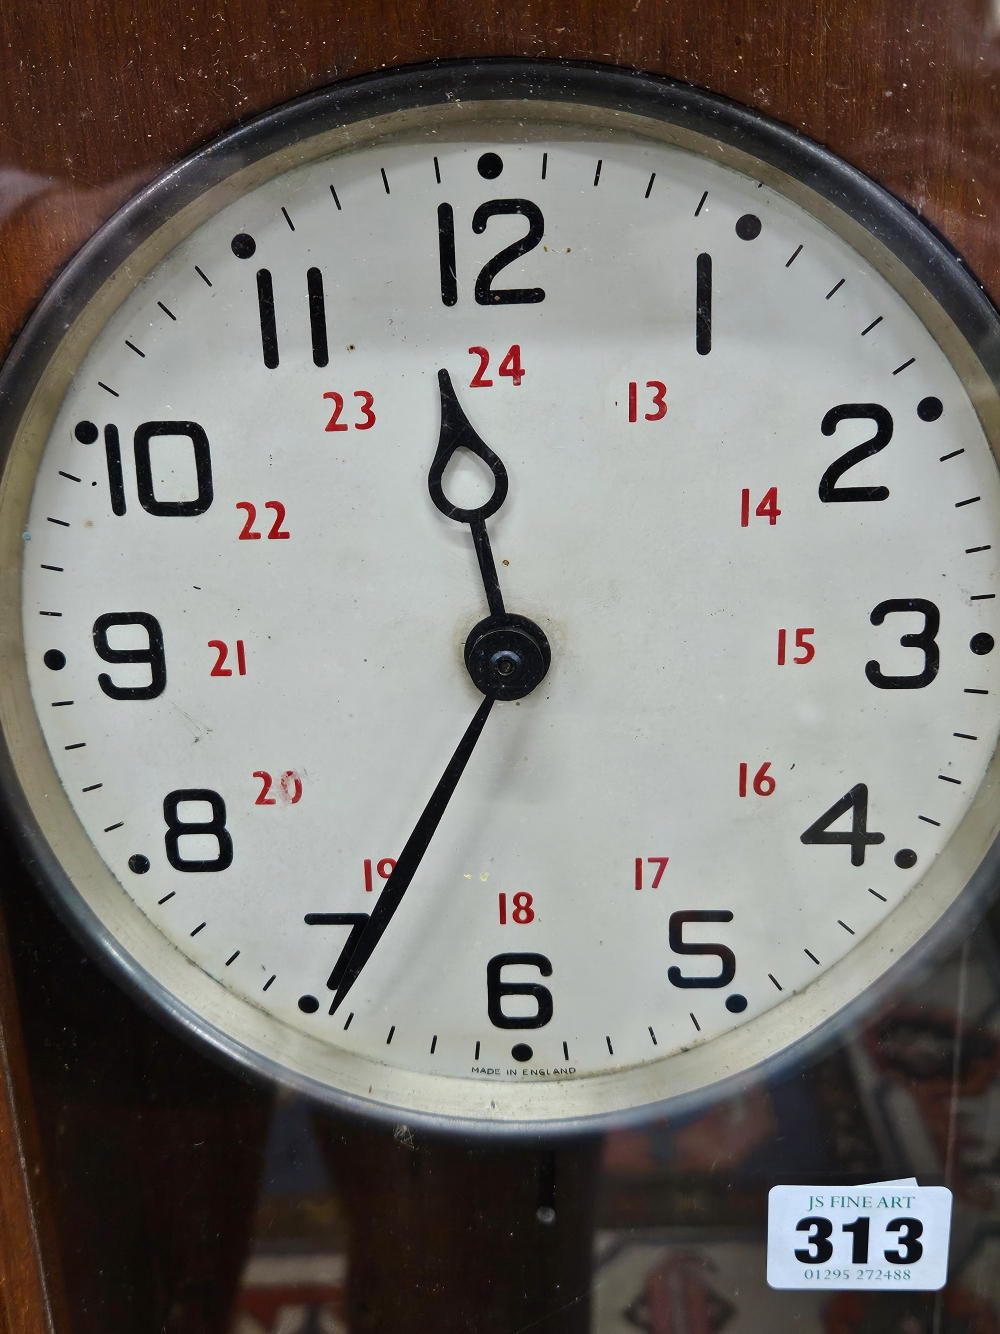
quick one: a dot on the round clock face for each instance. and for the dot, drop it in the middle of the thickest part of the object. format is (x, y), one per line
(504, 597)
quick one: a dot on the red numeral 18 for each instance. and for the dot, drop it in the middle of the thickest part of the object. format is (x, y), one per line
(659, 862)
(522, 913)
(385, 869)
(763, 783)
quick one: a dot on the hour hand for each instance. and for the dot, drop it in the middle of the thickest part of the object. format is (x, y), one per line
(457, 432)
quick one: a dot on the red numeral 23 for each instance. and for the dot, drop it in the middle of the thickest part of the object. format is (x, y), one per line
(334, 424)
(510, 366)
(808, 650)
(248, 534)
(289, 788)
(659, 401)
(220, 668)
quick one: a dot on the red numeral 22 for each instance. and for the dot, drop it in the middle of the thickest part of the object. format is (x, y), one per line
(510, 366)
(248, 534)
(220, 668)
(659, 862)
(289, 788)
(659, 401)
(808, 650)
(334, 424)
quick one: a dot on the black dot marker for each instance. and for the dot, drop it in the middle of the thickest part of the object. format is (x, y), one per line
(736, 1003)
(55, 660)
(521, 1051)
(905, 858)
(981, 643)
(490, 166)
(85, 432)
(748, 227)
(138, 863)
(308, 1004)
(929, 409)
(244, 246)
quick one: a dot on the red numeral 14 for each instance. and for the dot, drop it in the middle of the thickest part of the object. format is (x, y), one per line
(767, 509)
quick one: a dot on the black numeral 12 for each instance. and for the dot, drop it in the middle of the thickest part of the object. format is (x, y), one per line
(486, 293)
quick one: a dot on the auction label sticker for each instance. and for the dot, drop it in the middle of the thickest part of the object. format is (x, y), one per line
(890, 1235)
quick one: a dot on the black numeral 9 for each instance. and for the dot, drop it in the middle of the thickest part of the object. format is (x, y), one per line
(154, 655)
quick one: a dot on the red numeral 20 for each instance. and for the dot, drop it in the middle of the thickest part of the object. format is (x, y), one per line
(385, 869)
(220, 668)
(808, 650)
(522, 912)
(763, 783)
(659, 401)
(510, 366)
(289, 788)
(767, 509)
(659, 862)
(248, 534)
(334, 424)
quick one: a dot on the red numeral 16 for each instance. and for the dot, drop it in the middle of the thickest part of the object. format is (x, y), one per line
(763, 783)
(808, 650)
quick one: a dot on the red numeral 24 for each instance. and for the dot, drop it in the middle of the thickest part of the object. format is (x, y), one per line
(510, 366)
(289, 788)
(808, 650)
(659, 401)
(767, 509)
(763, 783)
(248, 534)
(334, 424)
(659, 862)
(385, 869)
(220, 668)
(522, 913)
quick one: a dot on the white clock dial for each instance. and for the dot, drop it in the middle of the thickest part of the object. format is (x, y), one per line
(751, 510)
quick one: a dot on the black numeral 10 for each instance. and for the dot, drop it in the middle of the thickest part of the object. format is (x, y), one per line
(87, 433)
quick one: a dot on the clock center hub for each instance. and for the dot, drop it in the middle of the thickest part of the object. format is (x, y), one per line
(507, 656)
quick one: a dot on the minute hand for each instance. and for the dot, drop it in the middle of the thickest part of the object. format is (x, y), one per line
(412, 854)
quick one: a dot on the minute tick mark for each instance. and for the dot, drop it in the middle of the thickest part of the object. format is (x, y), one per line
(650, 185)
(879, 896)
(135, 349)
(337, 201)
(61, 522)
(110, 827)
(701, 203)
(903, 368)
(166, 311)
(835, 288)
(59, 569)
(166, 897)
(269, 981)
(971, 501)
(811, 956)
(969, 550)
(93, 787)
(927, 820)
(651, 1034)
(954, 453)
(232, 958)
(846, 927)
(202, 276)
(437, 172)
(69, 476)
(966, 736)
(597, 173)
(114, 392)
(694, 1021)
(945, 779)
(545, 167)
(790, 262)
(385, 179)
(77, 745)
(775, 981)
(872, 325)
(199, 928)
(288, 219)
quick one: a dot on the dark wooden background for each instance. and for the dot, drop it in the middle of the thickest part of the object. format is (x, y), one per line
(146, 1149)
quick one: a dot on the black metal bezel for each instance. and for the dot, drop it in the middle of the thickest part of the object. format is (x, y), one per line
(924, 253)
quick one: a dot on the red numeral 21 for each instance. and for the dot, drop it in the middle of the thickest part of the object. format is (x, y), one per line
(659, 862)
(385, 869)
(510, 366)
(763, 783)
(220, 668)
(334, 424)
(767, 509)
(522, 912)
(808, 650)
(248, 534)
(289, 788)
(659, 401)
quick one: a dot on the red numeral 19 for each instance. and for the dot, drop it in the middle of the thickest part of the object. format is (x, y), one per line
(767, 509)
(659, 401)
(659, 862)
(522, 913)
(384, 868)
(222, 650)
(808, 650)
(763, 783)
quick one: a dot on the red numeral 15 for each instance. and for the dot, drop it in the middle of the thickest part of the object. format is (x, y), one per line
(808, 650)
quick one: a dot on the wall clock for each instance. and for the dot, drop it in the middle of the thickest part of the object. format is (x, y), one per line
(498, 579)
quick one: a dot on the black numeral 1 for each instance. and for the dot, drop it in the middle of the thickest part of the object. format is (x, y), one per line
(703, 306)
(268, 327)
(446, 250)
(859, 1243)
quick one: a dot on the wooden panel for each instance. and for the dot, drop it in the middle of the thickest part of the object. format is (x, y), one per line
(101, 94)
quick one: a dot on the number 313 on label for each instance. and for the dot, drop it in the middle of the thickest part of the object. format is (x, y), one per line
(890, 1235)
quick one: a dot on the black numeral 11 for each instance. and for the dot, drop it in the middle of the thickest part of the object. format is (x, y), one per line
(269, 324)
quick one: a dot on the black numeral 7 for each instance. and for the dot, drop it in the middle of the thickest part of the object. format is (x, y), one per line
(356, 921)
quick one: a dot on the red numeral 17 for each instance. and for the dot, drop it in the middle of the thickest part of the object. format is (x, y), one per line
(659, 862)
